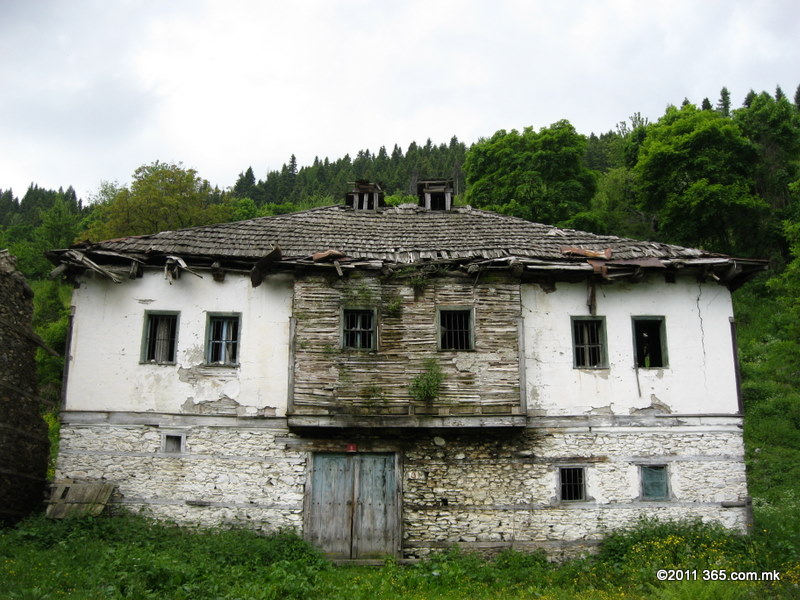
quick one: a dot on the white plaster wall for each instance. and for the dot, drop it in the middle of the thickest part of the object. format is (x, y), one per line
(700, 377)
(105, 372)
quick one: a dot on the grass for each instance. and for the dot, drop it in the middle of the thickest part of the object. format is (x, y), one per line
(129, 556)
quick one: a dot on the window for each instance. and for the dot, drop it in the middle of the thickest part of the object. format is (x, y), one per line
(655, 482)
(172, 443)
(455, 329)
(588, 341)
(571, 483)
(222, 340)
(358, 329)
(160, 335)
(649, 346)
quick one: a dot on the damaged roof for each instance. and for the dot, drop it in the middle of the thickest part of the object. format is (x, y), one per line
(391, 236)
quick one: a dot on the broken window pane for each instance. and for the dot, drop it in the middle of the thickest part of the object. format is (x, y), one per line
(358, 329)
(588, 340)
(648, 334)
(455, 329)
(222, 343)
(160, 338)
(654, 482)
(572, 483)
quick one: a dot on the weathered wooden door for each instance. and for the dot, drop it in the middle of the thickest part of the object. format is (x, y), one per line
(352, 507)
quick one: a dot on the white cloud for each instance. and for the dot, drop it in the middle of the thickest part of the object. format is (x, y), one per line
(94, 89)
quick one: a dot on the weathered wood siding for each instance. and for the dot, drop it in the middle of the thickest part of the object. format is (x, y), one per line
(330, 380)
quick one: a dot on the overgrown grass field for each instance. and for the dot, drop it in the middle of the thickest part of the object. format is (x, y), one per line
(132, 557)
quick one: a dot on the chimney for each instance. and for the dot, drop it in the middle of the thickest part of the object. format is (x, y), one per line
(435, 194)
(365, 196)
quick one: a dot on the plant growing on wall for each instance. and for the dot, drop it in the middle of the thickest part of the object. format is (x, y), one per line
(393, 306)
(425, 386)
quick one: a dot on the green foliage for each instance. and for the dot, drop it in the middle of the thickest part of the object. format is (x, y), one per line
(425, 386)
(131, 557)
(694, 172)
(162, 196)
(537, 176)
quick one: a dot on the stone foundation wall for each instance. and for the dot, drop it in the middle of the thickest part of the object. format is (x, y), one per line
(484, 491)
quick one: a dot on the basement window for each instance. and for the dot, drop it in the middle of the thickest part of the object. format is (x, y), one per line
(655, 482)
(173, 443)
(649, 342)
(160, 337)
(572, 484)
(222, 340)
(589, 342)
(358, 329)
(455, 329)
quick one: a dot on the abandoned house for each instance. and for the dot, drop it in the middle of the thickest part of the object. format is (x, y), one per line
(396, 380)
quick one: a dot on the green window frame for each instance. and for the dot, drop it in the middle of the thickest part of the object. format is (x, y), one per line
(572, 484)
(223, 338)
(654, 482)
(160, 337)
(456, 328)
(359, 329)
(589, 343)
(650, 342)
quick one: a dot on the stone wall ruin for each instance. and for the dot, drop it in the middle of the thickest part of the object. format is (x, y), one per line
(24, 443)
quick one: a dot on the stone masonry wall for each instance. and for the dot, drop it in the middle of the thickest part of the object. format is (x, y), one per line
(24, 445)
(484, 491)
(494, 492)
(230, 476)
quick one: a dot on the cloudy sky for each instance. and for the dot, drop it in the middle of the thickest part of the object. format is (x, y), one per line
(92, 89)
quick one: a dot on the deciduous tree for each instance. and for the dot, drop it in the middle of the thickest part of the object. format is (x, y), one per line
(536, 175)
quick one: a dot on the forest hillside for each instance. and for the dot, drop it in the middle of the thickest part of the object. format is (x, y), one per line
(713, 175)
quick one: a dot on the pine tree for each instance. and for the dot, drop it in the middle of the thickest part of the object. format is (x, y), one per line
(724, 104)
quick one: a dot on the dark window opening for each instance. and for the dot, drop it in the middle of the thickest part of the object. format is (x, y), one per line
(173, 444)
(455, 329)
(160, 338)
(223, 341)
(649, 342)
(438, 201)
(588, 342)
(572, 484)
(358, 329)
(654, 482)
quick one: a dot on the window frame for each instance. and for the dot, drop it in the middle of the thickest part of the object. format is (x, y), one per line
(452, 308)
(663, 468)
(172, 434)
(662, 341)
(602, 342)
(228, 317)
(343, 330)
(562, 484)
(145, 351)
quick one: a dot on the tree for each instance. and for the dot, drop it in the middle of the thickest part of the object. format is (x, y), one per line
(245, 186)
(724, 104)
(534, 175)
(706, 104)
(162, 196)
(694, 172)
(773, 126)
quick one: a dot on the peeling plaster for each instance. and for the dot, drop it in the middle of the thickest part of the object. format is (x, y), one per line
(225, 406)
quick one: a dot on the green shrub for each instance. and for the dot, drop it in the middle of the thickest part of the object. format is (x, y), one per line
(425, 386)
